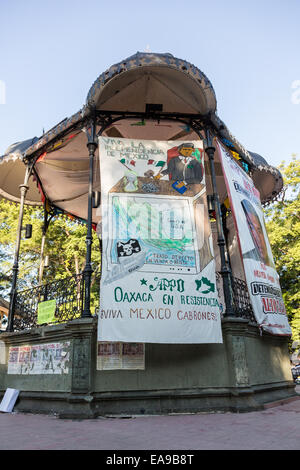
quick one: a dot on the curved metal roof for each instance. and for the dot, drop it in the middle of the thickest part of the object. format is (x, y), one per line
(12, 170)
(146, 77)
(128, 86)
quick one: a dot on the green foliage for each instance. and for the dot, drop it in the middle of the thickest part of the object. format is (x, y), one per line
(283, 225)
(29, 253)
(64, 244)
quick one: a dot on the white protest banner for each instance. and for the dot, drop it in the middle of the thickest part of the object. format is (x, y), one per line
(158, 280)
(260, 274)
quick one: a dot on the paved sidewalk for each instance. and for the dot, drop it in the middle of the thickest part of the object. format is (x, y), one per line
(277, 427)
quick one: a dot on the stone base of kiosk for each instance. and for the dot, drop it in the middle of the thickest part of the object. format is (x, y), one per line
(243, 374)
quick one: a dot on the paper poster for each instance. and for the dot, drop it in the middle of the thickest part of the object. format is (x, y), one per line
(46, 312)
(112, 356)
(50, 358)
(158, 280)
(133, 356)
(2, 352)
(260, 273)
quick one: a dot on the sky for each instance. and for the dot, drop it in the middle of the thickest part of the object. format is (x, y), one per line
(52, 51)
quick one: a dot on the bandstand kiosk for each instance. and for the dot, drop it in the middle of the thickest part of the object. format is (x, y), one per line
(190, 318)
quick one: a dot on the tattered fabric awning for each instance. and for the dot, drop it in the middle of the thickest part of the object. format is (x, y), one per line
(61, 170)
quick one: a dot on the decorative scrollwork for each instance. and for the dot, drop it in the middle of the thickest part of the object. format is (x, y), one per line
(241, 299)
(68, 294)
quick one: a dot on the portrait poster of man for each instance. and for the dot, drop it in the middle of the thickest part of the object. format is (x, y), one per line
(184, 164)
(261, 251)
(260, 273)
(158, 280)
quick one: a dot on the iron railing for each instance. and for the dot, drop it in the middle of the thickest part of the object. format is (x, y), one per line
(69, 293)
(241, 300)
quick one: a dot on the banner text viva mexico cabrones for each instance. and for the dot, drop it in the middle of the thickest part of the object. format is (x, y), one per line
(122, 296)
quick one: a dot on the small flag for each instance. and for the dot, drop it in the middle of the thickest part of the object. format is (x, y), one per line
(226, 203)
(150, 162)
(228, 143)
(235, 155)
(132, 162)
(41, 157)
(58, 144)
(179, 186)
(197, 154)
(186, 128)
(160, 163)
(141, 123)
